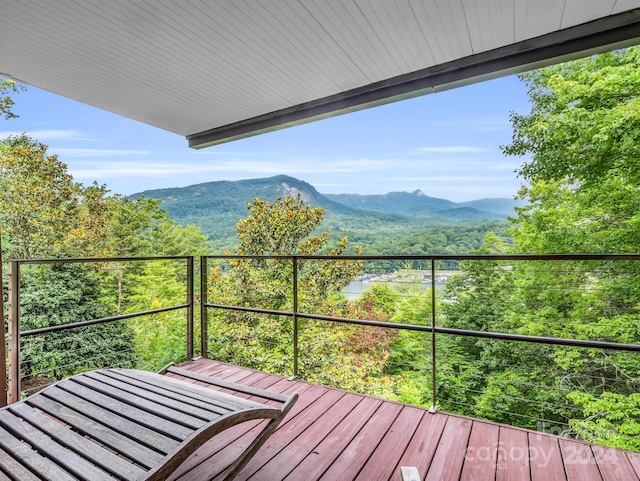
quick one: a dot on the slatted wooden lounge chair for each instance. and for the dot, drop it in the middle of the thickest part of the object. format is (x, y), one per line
(126, 424)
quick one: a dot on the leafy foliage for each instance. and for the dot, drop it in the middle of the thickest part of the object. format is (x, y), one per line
(284, 228)
(46, 214)
(582, 136)
(59, 294)
(8, 87)
(38, 198)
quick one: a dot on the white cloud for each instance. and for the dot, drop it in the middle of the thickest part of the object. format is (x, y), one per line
(46, 134)
(452, 149)
(240, 168)
(81, 152)
(456, 178)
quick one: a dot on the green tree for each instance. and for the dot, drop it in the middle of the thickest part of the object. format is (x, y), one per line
(285, 228)
(43, 210)
(131, 224)
(57, 294)
(584, 122)
(161, 338)
(329, 352)
(7, 87)
(582, 136)
(38, 198)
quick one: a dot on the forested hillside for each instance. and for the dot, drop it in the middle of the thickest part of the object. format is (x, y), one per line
(377, 223)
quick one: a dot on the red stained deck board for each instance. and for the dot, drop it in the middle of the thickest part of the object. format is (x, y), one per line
(290, 431)
(579, 462)
(214, 456)
(449, 457)
(614, 464)
(383, 463)
(481, 457)
(216, 369)
(279, 466)
(371, 444)
(423, 444)
(545, 458)
(513, 459)
(325, 453)
(351, 460)
(634, 459)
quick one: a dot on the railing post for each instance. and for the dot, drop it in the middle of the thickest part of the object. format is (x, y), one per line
(203, 307)
(14, 331)
(295, 316)
(3, 352)
(433, 408)
(190, 307)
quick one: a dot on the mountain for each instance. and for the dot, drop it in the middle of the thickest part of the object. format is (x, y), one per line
(418, 203)
(394, 202)
(499, 206)
(216, 207)
(223, 198)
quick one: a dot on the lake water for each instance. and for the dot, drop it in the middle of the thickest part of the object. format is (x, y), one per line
(354, 289)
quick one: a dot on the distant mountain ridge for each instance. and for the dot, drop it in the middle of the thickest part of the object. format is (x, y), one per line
(217, 206)
(418, 202)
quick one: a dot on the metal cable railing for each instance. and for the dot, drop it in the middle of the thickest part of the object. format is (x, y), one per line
(570, 301)
(567, 277)
(112, 288)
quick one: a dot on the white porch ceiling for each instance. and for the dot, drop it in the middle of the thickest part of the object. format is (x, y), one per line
(216, 70)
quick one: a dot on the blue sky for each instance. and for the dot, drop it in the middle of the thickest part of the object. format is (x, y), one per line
(445, 144)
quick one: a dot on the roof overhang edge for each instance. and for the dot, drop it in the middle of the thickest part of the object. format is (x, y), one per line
(597, 36)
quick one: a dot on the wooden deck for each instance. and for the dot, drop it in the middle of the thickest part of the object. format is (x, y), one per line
(332, 435)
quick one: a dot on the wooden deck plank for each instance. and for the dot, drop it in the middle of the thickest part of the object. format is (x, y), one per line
(243, 377)
(373, 443)
(634, 459)
(213, 460)
(260, 380)
(280, 465)
(11, 466)
(122, 392)
(382, 464)
(449, 457)
(250, 379)
(215, 455)
(220, 370)
(221, 454)
(481, 457)
(139, 416)
(579, 461)
(291, 431)
(614, 464)
(545, 458)
(423, 444)
(176, 401)
(513, 457)
(223, 383)
(193, 392)
(351, 460)
(323, 455)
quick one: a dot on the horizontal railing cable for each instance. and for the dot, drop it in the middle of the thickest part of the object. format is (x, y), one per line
(104, 320)
(441, 330)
